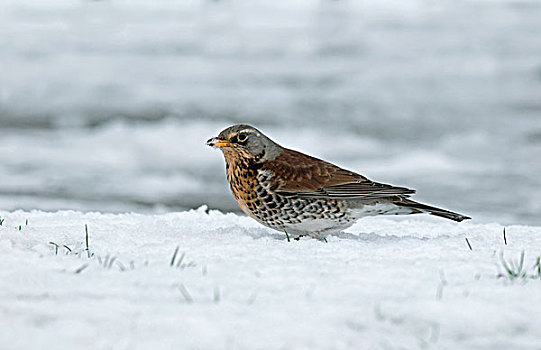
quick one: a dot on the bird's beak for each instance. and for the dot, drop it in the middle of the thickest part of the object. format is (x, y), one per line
(216, 142)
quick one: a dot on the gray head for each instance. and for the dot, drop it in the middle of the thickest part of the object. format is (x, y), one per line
(245, 141)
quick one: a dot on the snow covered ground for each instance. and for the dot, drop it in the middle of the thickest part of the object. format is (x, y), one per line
(389, 283)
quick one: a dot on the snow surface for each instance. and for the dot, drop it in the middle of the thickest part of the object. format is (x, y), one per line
(388, 283)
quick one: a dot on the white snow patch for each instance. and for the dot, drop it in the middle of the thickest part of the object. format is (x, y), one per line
(386, 283)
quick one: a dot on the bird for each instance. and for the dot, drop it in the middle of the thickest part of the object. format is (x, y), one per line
(301, 195)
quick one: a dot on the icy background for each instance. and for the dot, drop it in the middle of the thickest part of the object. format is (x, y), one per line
(105, 105)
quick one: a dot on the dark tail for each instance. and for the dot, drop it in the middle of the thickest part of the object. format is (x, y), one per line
(423, 208)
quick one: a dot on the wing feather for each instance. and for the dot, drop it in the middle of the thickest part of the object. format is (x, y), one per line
(301, 175)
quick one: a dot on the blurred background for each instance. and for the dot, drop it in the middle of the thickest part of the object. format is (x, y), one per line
(106, 105)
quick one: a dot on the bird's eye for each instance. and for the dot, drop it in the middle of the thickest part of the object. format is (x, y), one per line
(242, 137)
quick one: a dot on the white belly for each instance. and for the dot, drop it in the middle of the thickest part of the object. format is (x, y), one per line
(318, 227)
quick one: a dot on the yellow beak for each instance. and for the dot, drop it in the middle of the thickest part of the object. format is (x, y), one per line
(216, 142)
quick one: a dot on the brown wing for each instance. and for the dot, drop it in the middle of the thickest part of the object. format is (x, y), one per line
(301, 175)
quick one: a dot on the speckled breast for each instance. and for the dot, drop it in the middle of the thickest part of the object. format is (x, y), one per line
(251, 187)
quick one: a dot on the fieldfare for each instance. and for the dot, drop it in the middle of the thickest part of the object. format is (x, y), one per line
(301, 195)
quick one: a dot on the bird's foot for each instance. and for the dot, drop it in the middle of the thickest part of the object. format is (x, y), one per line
(314, 235)
(319, 236)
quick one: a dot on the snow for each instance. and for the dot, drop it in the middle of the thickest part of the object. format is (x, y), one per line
(404, 282)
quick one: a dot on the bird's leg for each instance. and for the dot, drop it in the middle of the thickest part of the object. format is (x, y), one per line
(320, 236)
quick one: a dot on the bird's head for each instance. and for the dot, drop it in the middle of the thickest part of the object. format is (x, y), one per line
(247, 142)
